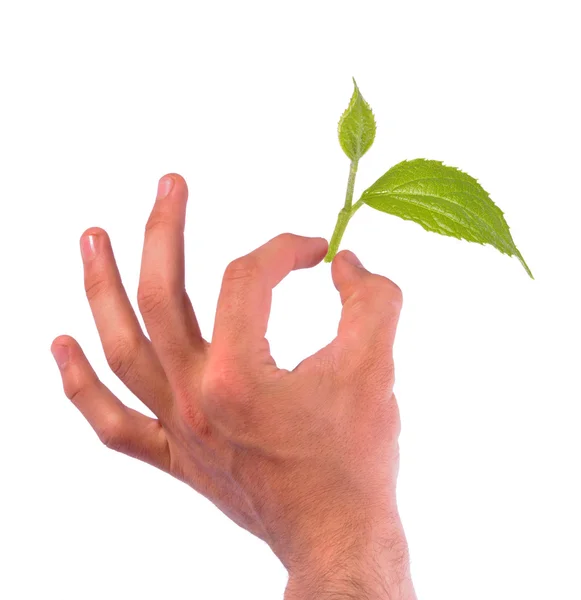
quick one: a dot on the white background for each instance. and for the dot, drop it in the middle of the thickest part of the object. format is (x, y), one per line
(99, 99)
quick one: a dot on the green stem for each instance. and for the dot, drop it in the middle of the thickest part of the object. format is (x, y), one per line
(345, 214)
(357, 206)
(342, 220)
(351, 184)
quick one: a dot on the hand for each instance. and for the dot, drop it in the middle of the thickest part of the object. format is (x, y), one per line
(306, 459)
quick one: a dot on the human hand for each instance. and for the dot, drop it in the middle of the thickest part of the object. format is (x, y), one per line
(306, 459)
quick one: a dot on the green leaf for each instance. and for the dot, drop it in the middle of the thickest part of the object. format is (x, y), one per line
(356, 126)
(442, 199)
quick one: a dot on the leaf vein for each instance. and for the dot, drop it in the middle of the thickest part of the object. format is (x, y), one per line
(414, 200)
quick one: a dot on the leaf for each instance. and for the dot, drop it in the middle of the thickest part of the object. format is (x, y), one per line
(442, 199)
(356, 126)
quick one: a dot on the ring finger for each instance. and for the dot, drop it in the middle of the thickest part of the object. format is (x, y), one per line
(128, 351)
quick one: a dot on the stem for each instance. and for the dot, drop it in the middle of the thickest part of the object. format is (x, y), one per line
(344, 214)
(357, 206)
(351, 183)
(342, 220)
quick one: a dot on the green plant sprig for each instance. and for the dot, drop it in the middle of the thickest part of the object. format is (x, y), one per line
(440, 198)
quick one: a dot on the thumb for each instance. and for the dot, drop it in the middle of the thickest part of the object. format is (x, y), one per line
(371, 308)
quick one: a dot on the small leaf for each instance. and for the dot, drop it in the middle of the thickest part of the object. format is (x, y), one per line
(442, 199)
(356, 126)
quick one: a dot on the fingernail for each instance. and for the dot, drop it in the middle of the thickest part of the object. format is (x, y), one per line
(352, 259)
(88, 246)
(164, 186)
(61, 355)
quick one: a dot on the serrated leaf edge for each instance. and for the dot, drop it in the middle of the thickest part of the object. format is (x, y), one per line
(356, 94)
(514, 250)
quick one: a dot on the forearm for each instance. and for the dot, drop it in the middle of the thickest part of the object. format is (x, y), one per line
(348, 585)
(380, 572)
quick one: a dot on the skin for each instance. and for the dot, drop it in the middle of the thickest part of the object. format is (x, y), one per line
(306, 459)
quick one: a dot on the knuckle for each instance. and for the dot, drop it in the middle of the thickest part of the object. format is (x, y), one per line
(245, 267)
(218, 384)
(121, 356)
(286, 237)
(224, 385)
(94, 287)
(112, 433)
(74, 394)
(77, 389)
(157, 220)
(151, 298)
(387, 289)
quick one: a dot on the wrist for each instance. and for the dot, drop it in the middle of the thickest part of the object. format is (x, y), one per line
(371, 567)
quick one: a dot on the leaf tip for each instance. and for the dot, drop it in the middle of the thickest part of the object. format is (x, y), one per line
(356, 127)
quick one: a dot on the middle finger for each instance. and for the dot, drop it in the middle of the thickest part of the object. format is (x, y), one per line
(163, 302)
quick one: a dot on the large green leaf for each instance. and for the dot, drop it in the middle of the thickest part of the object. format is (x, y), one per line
(442, 199)
(357, 126)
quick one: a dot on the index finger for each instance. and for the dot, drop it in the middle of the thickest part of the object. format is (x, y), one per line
(246, 294)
